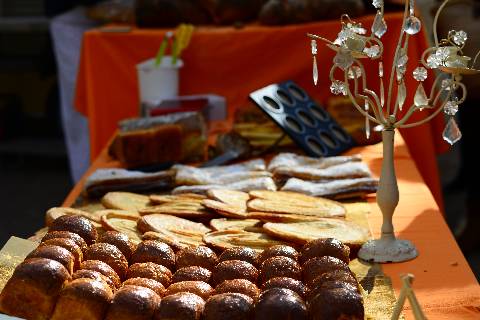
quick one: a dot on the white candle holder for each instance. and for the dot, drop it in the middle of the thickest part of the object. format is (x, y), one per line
(352, 45)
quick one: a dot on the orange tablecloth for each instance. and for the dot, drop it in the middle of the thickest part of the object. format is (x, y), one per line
(444, 284)
(233, 63)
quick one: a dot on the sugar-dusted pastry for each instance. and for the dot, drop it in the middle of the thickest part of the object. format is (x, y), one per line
(196, 256)
(239, 286)
(280, 304)
(276, 251)
(325, 247)
(280, 267)
(226, 239)
(151, 284)
(76, 224)
(150, 270)
(95, 275)
(193, 273)
(234, 269)
(66, 234)
(56, 253)
(200, 288)
(335, 275)
(337, 304)
(287, 283)
(229, 306)
(180, 306)
(103, 268)
(156, 252)
(32, 291)
(83, 299)
(315, 267)
(119, 240)
(68, 244)
(240, 253)
(109, 254)
(133, 303)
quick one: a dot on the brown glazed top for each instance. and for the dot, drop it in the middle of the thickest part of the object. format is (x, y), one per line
(154, 251)
(325, 247)
(68, 244)
(151, 284)
(234, 269)
(119, 240)
(109, 254)
(95, 275)
(88, 289)
(280, 267)
(200, 288)
(182, 305)
(196, 256)
(239, 286)
(279, 250)
(193, 273)
(239, 253)
(150, 270)
(45, 274)
(56, 253)
(337, 303)
(76, 224)
(68, 235)
(103, 268)
(280, 303)
(133, 302)
(229, 306)
(315, 267)
(287, 283)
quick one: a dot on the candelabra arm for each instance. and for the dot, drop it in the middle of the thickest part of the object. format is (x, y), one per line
(376, 106)
(475, 59)
(435, 21)
(395, 57)
(314, 36)
(354, 101)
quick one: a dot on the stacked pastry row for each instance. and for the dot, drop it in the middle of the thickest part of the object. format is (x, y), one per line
(76, 274)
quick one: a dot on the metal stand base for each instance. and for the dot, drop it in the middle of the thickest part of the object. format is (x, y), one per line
(388, 250)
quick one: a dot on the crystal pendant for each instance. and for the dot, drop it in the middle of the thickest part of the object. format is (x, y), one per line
(372, 51)
(447, 84)
(314, 47)
(401, 95)
(451, 108)
(460, 37)
(379, 27)
(343, 59)
(355, 72)
(338, 87)
(413, 25)
(452, 133)
(315, 71)
(420, 74)
(382, 93)
(420, 99)
(377, 3)
(367, 121)
(433, 61)
(380, 69)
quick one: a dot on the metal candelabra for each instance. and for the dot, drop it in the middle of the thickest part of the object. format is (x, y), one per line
(383, 107)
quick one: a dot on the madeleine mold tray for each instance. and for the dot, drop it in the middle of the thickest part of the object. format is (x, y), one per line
(308, 124)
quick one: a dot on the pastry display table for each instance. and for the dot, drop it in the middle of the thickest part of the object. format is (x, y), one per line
(444, 283)
(232, 63)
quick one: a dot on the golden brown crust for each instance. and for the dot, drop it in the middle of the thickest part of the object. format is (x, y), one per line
(154, 251)
(119, 240)
(103, 268)
(325, 247)
(95, 275)
(123, 223)
(68, 235)
(68, 244)
(83, 299)
(278, 251)
(151, 284)
(240, 253)
(286, 283)
(133, 303)
(200, 288)
(330, 285)
(335, 275)
(239, 286)
(280, 303)
(280, 267)
(193, 273)
(56, 253)
(150, 270)
(226, 239)
(76, 224)
(234, 269)
(228, 306)
(338, 303)
(109, 254)
(33, 289)
(183, 305)
(196, 256)
(315, 267)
